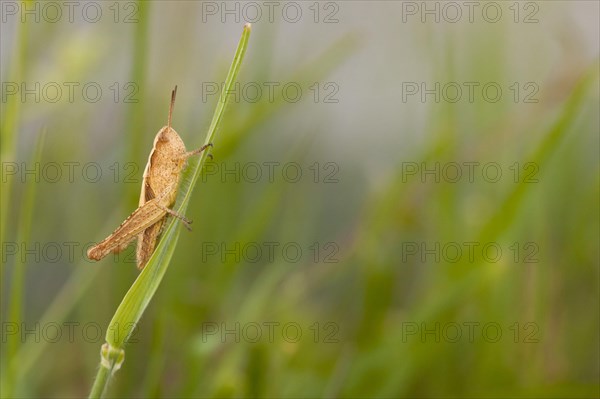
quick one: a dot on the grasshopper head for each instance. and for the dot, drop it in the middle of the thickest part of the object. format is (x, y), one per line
(169, 143)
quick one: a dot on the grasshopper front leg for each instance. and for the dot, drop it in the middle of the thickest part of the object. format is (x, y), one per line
(189, 154)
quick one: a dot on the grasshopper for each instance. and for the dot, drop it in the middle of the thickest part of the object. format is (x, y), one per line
(159, 191)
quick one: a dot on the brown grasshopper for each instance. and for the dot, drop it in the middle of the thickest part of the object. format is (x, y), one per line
(159, 190)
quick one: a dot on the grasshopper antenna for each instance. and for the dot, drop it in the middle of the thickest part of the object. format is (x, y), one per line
(173, 94)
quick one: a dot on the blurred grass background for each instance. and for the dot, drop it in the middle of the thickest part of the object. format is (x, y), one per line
(374, 293)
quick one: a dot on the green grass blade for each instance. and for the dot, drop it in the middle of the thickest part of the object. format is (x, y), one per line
(10, 116)
(505, 214)
(136, 113)
(143, 289)
(15, 313)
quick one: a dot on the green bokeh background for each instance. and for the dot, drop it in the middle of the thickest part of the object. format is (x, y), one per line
(379, 321)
